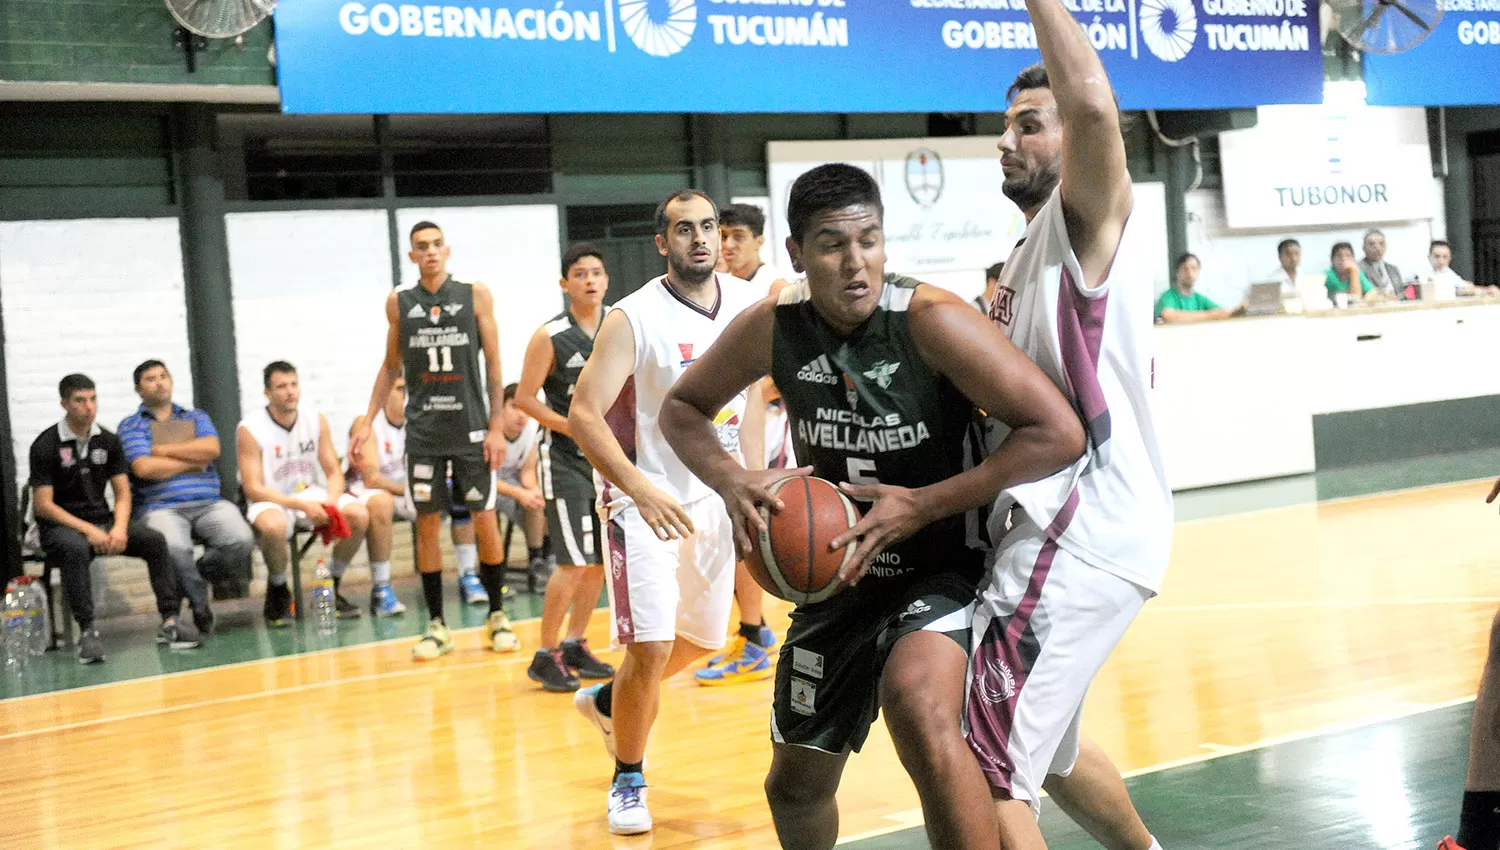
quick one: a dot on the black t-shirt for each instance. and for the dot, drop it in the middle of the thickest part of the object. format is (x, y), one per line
(77, 473)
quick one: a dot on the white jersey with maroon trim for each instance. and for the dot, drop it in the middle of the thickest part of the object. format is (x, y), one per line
(390, 453)
(670, 333)
(288, 456)
(1112, 509)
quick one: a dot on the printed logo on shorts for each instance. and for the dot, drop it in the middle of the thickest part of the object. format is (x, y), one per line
(474, 495)
(804, 697)
(421, 492)
(476, 436)
(996, 682)
(421, 470)
(807, 661)
(617, 563)
(915, 610)
(622, 624)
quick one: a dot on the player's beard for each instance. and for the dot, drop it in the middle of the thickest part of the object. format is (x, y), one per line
(1032, 189)
(685, 270)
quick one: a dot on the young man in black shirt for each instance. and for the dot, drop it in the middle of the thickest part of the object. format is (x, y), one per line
(70, 464)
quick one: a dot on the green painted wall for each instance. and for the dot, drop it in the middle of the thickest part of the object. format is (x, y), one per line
(118, 41)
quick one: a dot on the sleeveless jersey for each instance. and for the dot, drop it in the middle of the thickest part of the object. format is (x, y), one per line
(516, 451)
(390, 453)
(670, 333)
(288, 456)
(868, 409)
(571, 348)
(1113, 508)
(445, 403)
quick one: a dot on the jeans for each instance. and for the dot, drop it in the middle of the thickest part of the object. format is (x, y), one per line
(71, 552)
(226, 537)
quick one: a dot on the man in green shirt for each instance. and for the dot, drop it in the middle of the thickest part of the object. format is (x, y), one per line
(1180, 304)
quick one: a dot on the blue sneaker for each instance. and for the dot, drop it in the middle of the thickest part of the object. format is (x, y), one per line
(471, 590)
(383, 601)
(744, 662)
(767, 640)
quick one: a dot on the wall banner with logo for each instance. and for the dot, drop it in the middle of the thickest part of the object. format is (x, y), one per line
(368, 56)
(1457, 65)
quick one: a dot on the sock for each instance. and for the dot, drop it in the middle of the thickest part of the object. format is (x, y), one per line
(534, 553)
(546, 543)
(276, 580)
(604, 700)
(337, 567)
(380, 572)
(432, 591)
(751, 632)
(1479, 822)
(467, 555)
(492, 576)
(622, 767)
(336, 580)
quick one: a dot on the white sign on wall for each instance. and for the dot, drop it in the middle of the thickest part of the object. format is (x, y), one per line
(1327, 165)
(944, 210)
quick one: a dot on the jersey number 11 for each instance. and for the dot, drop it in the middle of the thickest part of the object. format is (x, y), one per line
(433, 365)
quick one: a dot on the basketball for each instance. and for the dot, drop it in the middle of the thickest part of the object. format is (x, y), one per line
(791, 559)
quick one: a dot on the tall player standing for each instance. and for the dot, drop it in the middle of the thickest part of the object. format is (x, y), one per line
(671, 548)
(1088, 546)
(435, 324)
(554, 359)
(880, 375)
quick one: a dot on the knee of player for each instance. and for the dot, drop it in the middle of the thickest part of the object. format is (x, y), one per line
(270, 527)
(357, 518)
(381, 507)
(917, 702)
(794, 789)
(652, 655)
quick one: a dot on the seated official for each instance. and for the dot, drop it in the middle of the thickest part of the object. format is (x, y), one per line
(1288, 258)
(171, 451)
(70, 464)
(1384, 276)
(1181, 305)
(290, 471)
(1446, 282)
(1345, 278)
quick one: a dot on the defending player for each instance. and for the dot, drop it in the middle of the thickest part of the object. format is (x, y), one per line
(880, 375)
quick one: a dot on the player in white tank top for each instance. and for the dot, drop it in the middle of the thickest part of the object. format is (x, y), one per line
(1088, 546)
(671, 549)
(288, 468)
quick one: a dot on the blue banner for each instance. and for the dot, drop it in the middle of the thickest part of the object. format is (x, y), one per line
(343, 56)
(1457, 65)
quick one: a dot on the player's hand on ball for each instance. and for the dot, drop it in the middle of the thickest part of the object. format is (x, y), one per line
(494, 448)
(745, 494)
(896, 515)
(661, 513)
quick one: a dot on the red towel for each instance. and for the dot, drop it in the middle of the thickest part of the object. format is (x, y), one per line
(337, 528)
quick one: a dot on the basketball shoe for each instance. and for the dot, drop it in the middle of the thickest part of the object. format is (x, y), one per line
(744, 662)
(383, 601)
(502, 639)
(471, 590)
(437, 642)
(585, 701)
(549, 669)
(576, 655)
(628, 814)
(767, 641)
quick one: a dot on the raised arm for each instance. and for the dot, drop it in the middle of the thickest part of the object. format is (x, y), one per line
(1096, 192)
(534, 370)
(385, 378)
(599, 386)
(494, 383)
(328, 458)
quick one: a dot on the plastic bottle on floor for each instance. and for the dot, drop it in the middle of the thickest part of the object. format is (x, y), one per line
(325, 613)
(13, 630)
(38, 624)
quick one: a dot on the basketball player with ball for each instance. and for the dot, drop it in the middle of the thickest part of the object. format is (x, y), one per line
(881, 376)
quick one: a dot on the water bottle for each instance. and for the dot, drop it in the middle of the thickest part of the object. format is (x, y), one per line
(38, 624)
(324, 612)
(13, 630)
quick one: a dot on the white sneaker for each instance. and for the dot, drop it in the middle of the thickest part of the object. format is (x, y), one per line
(628, 814)
(583, 700)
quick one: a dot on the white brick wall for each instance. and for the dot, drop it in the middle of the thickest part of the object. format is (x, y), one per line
(310, 289)
(94, 296)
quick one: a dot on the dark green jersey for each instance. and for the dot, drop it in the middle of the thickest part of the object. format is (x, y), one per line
(571, 348)
(867, 409)
(445, 403)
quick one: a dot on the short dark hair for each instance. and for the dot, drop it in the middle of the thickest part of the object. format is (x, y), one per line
(829, 187)
(1184, 258)
(276, 367)
(1031, 77)
(1285, 244)
(993, 272)
(421, 226)
(1439, 243)
(73, 383)
(576, 252)
(1337, 245)
(510, 392)
(1374, 231)
(679, 195)
(146, 367)
(744, 215)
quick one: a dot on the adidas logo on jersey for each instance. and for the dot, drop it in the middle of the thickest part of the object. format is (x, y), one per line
(416, 312)
(576, 361)
(818, 372)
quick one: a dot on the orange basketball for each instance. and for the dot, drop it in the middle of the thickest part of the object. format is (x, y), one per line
(791, 560)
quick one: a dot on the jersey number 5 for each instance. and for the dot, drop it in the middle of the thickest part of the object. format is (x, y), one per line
(446, 365)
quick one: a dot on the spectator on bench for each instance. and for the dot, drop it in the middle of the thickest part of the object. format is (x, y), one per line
(1180, 304)
(171, 451)
(70, 464)
(289, 467)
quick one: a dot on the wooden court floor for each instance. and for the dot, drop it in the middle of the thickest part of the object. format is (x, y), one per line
(1271, 624)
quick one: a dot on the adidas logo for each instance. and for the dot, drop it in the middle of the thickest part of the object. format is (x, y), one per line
(474, 495)
(818, 372)
(416, 312)
(917, 607)
(576, 361)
